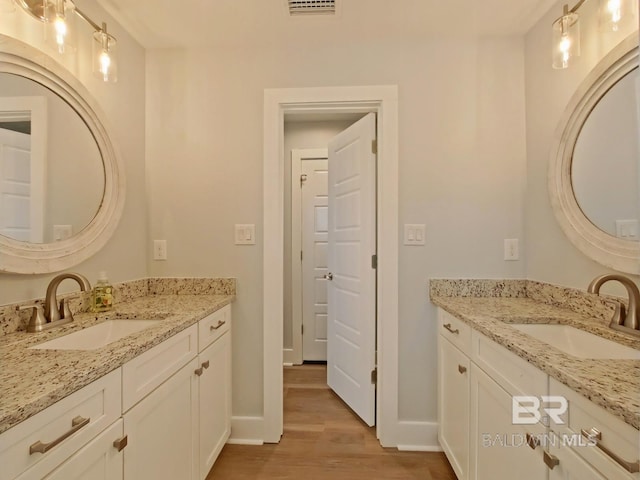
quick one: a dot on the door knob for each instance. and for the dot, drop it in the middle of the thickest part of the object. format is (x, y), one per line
(329, 276)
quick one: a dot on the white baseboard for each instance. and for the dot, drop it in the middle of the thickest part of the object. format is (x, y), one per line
(287, 356)
(418, 436)
(247, 431)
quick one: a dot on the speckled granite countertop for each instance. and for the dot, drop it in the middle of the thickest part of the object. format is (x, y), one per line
(611, 384)
(32, 380)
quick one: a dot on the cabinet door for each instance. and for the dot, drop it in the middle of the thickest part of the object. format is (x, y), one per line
(98, 460)
(215, 401)
(499, 449)
(453, 406)
(162, 430)
(570, 466)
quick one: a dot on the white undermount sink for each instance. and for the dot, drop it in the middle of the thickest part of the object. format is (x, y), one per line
(97, 336)
(578, 343)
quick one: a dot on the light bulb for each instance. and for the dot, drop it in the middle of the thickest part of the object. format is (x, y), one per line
(614, 7)
(60, 28)
(105, 63)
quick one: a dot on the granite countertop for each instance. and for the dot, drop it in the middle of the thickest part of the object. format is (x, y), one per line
(611, 384)
(32, 380)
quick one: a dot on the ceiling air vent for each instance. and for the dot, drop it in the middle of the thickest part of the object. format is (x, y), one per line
(312, 7)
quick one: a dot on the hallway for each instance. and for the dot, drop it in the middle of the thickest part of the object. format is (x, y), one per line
(323, 439)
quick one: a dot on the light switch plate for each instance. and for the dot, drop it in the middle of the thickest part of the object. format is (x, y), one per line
(62, 232)
(245, 234)
(414, 234)
(628, 229)
(511, 249)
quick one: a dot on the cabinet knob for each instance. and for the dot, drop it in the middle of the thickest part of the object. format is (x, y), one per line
(462, 368)
(532, 441)
(205, 364)
(198, 371)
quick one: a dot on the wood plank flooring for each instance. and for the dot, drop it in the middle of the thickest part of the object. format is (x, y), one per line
(323, 439)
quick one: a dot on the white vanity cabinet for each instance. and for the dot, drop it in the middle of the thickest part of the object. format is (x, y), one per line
(614, 453)
(477, 380)
(36, 447)
(214, 397)
(454, 392)
(162, 425)
(180, 414)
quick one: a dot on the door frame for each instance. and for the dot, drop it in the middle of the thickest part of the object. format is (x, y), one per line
(382, 100)
(298, 155)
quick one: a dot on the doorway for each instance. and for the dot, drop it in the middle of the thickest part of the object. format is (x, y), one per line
(381, 100)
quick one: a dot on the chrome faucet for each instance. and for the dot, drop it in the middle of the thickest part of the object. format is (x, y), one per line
(624, 319)
(53, 315)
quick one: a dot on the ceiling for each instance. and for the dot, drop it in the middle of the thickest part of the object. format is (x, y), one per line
(232, 23)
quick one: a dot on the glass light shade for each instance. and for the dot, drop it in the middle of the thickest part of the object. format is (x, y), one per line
(566, 40)
(105, 64)
(59, 26)
(615, 14)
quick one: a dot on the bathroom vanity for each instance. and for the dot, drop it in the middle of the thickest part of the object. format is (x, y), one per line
(486, 359)
(154, 404)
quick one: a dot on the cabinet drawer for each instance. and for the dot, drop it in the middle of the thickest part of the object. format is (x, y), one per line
(213, 326)
(617, 436)
(100, 402)
(454, 330)
(147, 371)
(514, 374)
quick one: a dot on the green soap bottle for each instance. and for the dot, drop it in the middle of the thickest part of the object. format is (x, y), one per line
(102, 298)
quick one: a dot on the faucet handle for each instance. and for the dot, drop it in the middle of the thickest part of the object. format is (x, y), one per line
(65, 311)
(37, 321)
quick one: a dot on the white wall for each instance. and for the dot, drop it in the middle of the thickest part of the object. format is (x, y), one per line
(124, 257)
(462, 165)
(550, 255)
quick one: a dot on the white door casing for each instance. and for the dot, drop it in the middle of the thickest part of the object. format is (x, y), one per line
(352, 278)
(383, 100)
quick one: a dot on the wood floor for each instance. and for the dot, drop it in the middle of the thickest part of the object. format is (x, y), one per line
(323, 439)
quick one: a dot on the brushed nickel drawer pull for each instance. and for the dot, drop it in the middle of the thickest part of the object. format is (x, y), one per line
(205, 364)
(215, 327)
(533, 442)
(448, 327)
(198, 371)
(595, 435)
(121, 443)
(550, 460)
(76, 424)
(462, 368)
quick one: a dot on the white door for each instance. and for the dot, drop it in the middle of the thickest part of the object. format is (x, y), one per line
(315, 218)
(351, 326)
(15, 187)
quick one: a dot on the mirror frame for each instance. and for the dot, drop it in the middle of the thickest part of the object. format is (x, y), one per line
(616, 253)
(17, 256)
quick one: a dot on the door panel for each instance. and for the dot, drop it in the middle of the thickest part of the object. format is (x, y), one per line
(315, 220)
(351, 243)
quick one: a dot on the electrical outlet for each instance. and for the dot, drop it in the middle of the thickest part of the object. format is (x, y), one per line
(159, 249)
(511, 249)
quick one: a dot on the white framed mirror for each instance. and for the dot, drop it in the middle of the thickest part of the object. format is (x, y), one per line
(62, 185)
(594, 170)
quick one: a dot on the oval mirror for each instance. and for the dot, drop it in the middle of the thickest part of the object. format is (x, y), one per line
(594, 172)
(61, 179)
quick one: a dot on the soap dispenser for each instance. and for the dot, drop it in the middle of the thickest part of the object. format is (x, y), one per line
(102, 298)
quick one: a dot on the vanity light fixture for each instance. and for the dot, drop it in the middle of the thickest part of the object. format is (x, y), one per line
(566, 29)
(58, 17)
